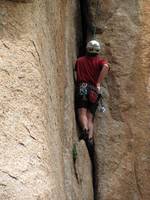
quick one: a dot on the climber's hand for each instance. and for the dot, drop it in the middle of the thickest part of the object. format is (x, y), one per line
(98, 88)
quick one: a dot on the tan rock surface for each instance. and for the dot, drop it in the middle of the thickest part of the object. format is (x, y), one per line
(84, 171)
(39, 43)
(31, 160)
(37, 53)
(122, 133)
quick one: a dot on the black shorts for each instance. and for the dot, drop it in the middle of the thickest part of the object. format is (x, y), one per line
(87, 97)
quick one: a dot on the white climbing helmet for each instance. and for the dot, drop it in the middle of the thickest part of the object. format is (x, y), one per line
(93, 47)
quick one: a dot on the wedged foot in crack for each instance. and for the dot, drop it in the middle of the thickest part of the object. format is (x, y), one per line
(89, 142)
(90, 146)
(84, 135)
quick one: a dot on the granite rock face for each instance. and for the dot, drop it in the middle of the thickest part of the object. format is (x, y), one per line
(39, 42)
(37, 52)
(122, 133)
(31, 165)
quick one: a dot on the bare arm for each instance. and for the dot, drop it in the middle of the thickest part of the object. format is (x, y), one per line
(102, 75)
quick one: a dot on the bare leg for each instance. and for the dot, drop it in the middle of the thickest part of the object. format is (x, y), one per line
(83, 120)
(86, 122)
(90, 123)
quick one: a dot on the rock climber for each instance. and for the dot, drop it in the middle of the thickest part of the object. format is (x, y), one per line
(90, 70)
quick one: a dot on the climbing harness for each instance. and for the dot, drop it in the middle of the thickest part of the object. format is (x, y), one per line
(83, 89)
(89, 91)
(92, 94)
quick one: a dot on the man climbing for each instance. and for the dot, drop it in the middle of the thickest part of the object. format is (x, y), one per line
(90, 72)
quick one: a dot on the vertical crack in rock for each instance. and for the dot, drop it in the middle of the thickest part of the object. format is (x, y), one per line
(86, 27)
(137, 182)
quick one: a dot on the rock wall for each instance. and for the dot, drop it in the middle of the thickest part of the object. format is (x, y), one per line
(122, 133)
(31, 164)
(37, 53)
(78, 174)
(39, 42)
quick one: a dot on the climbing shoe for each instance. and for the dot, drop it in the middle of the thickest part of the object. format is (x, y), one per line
(83, 135)
(90, 146)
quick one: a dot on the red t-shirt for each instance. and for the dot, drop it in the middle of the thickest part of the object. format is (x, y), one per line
(88, 68)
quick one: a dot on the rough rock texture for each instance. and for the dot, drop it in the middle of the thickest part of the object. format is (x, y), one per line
(39, 42)
(37, 52)
(122, 133)
(29, 108)
(83, 174)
